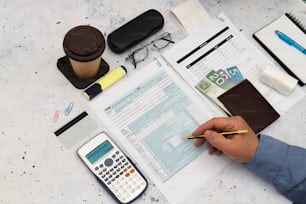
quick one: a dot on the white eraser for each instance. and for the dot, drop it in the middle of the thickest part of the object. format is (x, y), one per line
(277, 79)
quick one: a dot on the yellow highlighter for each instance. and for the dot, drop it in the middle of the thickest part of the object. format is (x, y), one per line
(104, 82)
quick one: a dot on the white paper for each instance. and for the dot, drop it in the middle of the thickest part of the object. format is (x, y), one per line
(220, 45)
(191, 15)
(137, 99)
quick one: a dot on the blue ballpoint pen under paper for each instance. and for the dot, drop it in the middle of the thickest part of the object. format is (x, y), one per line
(290, 41)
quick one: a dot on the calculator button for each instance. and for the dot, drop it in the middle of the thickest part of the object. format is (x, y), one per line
(127, 174)
(117, 152)
(108, 162)
(101, 165)
(96, 168)
(113, 156)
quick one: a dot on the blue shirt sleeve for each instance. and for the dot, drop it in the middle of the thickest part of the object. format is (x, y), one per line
(282, 164)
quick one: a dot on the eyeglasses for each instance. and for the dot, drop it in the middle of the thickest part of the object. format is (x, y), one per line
(141, 53)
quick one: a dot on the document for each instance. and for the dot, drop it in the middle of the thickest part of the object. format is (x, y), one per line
(149, 113)
(218, 46)
(154, 117)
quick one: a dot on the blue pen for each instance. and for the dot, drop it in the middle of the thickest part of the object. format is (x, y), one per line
(289, 41)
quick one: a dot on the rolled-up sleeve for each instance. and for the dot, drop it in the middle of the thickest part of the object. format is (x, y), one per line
(282, 164)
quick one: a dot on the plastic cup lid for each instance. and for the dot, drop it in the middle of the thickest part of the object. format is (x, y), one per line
(84, 43)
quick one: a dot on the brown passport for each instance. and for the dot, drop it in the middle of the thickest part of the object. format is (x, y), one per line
(245, 100)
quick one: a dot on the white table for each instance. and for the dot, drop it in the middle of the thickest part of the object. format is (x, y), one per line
(35, 166)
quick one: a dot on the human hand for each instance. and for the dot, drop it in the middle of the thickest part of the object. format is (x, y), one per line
(238, 147)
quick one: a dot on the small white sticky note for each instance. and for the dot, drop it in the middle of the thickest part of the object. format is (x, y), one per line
(175, 141)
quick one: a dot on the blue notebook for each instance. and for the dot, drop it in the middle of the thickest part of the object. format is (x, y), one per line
(291, 57)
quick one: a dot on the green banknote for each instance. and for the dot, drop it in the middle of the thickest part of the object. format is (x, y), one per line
(219, 80)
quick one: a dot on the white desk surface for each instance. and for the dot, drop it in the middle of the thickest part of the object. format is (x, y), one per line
(35, 166)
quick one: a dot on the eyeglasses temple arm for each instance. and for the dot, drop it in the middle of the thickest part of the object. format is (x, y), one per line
(170, 41)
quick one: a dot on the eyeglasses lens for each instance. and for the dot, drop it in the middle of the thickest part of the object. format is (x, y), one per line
(140, 54)
(163, 41)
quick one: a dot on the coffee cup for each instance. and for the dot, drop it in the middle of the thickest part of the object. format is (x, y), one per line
(84, 45)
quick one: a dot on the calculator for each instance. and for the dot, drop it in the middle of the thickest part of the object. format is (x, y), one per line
(114, 170)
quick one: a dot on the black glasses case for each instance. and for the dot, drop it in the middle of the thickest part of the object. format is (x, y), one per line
(136, 30)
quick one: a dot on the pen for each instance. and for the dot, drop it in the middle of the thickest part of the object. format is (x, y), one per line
(290, 41)
(222, 133)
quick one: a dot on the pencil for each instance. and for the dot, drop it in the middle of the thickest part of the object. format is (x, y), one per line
(222, 133)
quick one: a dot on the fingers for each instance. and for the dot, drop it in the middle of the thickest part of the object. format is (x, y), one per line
(216, 140)
(224, 124)
(211, 149)
(238, 147)
(199, 142)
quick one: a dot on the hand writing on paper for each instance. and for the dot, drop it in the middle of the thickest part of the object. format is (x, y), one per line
(238, 147)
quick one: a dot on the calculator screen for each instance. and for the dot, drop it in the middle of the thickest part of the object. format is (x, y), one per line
(99, 152)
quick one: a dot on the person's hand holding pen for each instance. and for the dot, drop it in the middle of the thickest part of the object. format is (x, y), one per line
(239, 147)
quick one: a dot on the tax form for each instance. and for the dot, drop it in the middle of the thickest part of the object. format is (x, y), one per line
(149, 113)
(220, 45)
(155, 116)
